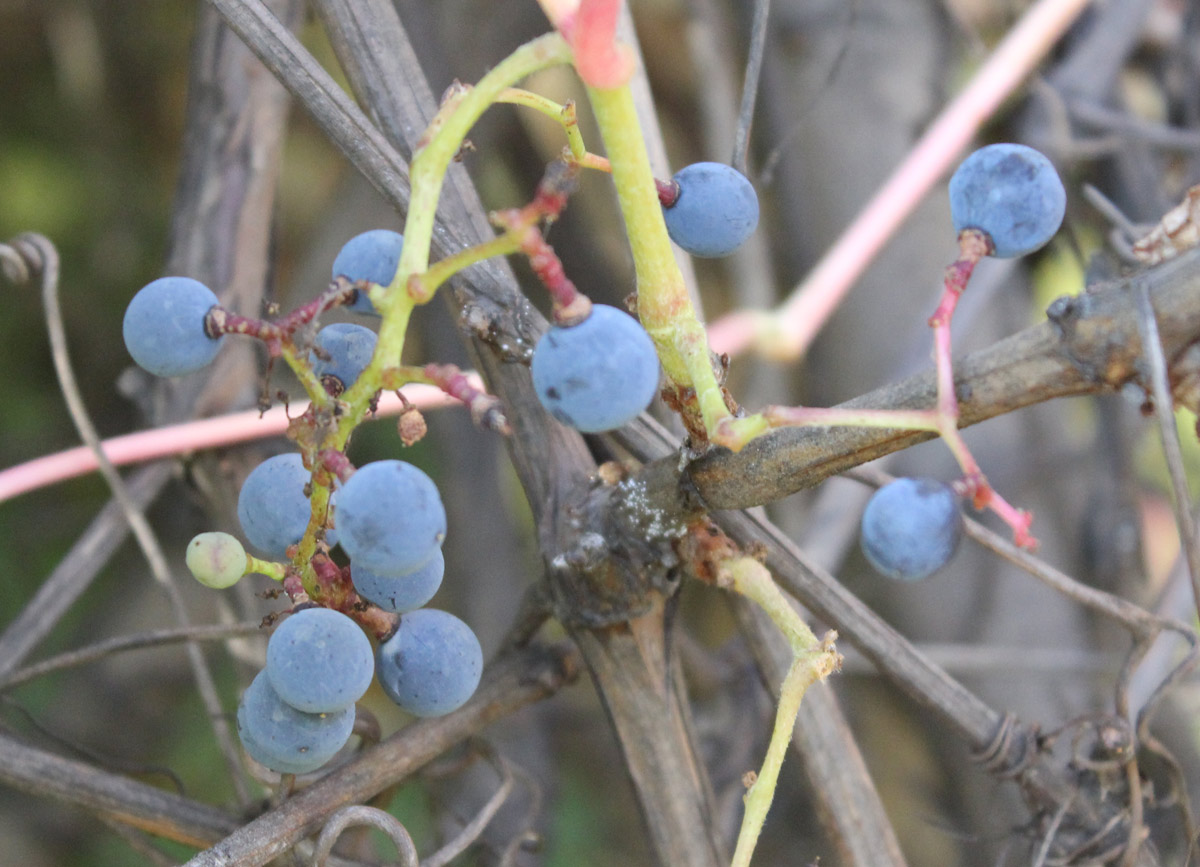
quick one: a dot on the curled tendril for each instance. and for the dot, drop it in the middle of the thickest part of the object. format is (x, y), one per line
(375, 818)
(24, 257)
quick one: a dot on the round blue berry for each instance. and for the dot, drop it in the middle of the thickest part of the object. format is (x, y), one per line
(371, 256)
(716, 211)
(320, 661)
(432, 664)
(348, 349)
(911, 528)
(164, 326)
(390, 517)
(272, 506)
(1011, 193)
(400, 593)
(285, 739)
(597, 375)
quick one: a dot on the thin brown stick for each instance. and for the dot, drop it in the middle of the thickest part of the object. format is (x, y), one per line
(754, 61)
(345, 124)
(138, 843)
(102, 649)
(43, 264)
(471, 831)
(1164, 411)
(75, 572)
(164, 814)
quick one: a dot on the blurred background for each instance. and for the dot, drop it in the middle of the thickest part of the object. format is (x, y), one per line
(91, 124)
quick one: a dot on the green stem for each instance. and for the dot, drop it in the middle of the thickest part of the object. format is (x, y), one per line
(663, 304)
(804, 672)
(302, 367)
(565, 115)
(274, 571)
(813, 660)
(442, 142)
(750, 578)
(446, 136)
(423, 286)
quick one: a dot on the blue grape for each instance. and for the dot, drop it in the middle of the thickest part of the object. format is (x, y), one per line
(371, 256)
(390, 517)
(432, 664)
(717, 210)
(272, 506)
(597, 375)
(319, 661)
(164, 326)
(284, 739)
(1011, 193)
(349, 348)
(911, 528)
(400, 593)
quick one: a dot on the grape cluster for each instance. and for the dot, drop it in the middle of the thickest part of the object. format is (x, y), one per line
(319, 662)
(299, 711)
(1011, 193)
(715, 211)
(597, 375)
(911, 528)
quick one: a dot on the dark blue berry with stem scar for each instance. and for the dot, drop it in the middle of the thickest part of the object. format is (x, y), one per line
(431, 665)
(390, 517)
(347, 349)
(285, 739)
(272, 506)
(400, 593)
(1011, 193)
(911, 528)
(371, 256)
(164, 326)
(597, 375)
(319, 661)
(715, 212)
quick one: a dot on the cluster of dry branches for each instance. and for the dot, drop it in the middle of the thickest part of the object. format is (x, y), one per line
(1098, 787)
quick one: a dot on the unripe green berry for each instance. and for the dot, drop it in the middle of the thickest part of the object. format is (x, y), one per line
(217, 560)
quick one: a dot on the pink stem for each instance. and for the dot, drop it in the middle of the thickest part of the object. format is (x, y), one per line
(973, 246)
(814, 300)
(569, 305)
(599, 61)
(183, 438)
